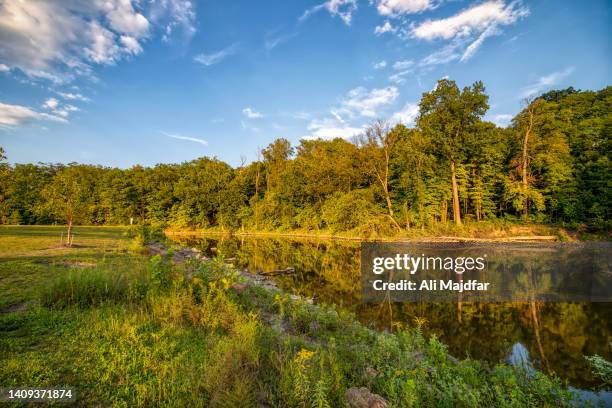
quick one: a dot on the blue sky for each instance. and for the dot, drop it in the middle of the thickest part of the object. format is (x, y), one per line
(125, 82)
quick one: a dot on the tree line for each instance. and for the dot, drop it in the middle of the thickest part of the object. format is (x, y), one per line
(550, 165)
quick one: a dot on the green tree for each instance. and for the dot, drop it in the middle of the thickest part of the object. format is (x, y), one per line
(378, 146)
(67, 196)
(446, 114)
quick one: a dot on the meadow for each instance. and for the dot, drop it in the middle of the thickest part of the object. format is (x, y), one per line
(129, 329)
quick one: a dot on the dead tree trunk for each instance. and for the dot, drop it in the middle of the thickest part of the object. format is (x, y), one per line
(456, 208)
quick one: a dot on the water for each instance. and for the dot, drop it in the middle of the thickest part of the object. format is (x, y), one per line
(551, 337)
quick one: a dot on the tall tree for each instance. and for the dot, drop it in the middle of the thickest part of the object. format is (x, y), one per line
(379, 145)
(446, 113)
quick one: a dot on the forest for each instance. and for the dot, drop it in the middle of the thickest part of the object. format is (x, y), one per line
(550, 165)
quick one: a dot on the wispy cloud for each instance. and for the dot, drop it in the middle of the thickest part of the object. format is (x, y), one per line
(396, 8)
(475, 45)
(273, 41)
(475, 19)
(501, 120)
(364, 102)
(387, 27)
(380, 64)
(402, 65)
(74, 96)
(545, 82)
(18, 115)
(467, 30)
(59, 109)
(407, 115)
(188, 138)
(349, 118)
(400, 77)
(252, 114)
(329, 129)
(337, 8)
(216, 57)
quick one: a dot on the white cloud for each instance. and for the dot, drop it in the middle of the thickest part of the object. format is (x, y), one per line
(400, 77)
(131, 44)
(346, 120)
(73, 96)
(327, 129)
(51, 103)
(124, 19)
(188, 138)
(475, 45)
(396, 8)
(380, 65)
(58, 109)
(402, 65)
(405, 68)
(174, 16)
(216, 57)
(448, 53)
(251, 114)
(4, 68)
(473, 20)
(272, 42)
(57, 40)
(364, 102)
(17, 115)
(387, 27)
(501, 120)
(337, 8)
(407, 115)
(467, 30)
(545, 82)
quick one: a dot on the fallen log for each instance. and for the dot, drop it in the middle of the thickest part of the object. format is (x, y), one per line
(275, 272)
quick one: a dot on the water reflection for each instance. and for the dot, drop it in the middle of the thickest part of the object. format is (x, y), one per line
(555, 335)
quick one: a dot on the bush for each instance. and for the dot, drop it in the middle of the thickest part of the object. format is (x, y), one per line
(602, 368)
(346, 211)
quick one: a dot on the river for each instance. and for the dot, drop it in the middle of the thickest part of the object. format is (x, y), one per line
(552, 337)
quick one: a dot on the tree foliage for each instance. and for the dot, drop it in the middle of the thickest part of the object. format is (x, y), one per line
(552, 164)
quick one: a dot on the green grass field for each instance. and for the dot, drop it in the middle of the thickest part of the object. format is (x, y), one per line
(129, 330)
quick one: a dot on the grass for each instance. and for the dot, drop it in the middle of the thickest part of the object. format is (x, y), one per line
(129, 330)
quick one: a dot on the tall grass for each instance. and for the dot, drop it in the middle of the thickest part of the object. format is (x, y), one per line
(95, 286)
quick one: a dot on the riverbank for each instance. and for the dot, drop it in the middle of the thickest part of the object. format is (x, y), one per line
(477, 232)
(127, 328)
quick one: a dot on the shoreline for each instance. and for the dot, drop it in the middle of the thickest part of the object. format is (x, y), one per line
(424, 239)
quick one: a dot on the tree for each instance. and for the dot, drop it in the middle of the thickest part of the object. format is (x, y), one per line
(378, 147)
(275, 158)
(67, 195)
(4, 185)
(445, 115)
(542, 161)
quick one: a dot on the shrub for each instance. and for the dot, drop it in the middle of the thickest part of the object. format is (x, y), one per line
(602, 368)
(346, 211)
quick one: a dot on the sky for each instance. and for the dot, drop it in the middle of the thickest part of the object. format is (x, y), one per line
(126, 82)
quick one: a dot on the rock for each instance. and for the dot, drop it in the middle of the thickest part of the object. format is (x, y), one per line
(363, 398)
(371, 371)
(238, 287)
